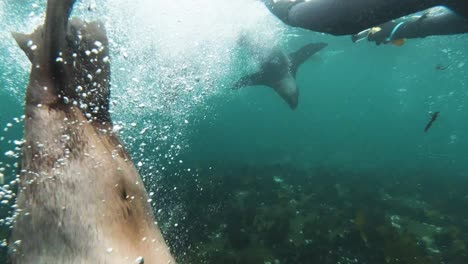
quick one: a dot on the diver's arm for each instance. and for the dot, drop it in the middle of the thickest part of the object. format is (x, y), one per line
(344, 17)
(437, 21)
(444, 23)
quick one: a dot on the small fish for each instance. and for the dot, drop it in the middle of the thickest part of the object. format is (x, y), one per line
(441, 67)
(433, 118)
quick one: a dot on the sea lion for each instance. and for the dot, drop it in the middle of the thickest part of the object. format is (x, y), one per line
(278, 71)
(81, 199)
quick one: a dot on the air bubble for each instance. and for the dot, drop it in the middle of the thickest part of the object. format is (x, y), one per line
(11, 154)
(65, 138)
(143, 131)
(117, 128)
(4, 243)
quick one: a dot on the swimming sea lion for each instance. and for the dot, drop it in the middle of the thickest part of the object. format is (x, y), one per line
(278, 71)
(81, 199)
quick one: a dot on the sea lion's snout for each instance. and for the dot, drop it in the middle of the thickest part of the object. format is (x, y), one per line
(293, 101)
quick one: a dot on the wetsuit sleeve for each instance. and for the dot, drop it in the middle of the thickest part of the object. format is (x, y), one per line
(440, 23)
(437, 21)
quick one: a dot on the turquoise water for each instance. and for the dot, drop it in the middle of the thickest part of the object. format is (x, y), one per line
(356, 137)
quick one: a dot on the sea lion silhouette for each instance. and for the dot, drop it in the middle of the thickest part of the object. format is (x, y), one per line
(81, 199)
(278, 71)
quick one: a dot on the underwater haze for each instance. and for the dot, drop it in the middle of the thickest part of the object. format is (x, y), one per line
(236, 176)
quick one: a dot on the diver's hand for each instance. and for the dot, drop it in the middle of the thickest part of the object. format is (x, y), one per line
(381, 33)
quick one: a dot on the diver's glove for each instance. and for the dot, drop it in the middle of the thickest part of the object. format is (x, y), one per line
(384, 33)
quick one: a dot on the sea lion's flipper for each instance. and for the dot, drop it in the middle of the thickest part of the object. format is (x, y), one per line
(250, 80)
(303, 54)
(73, 60)
(55, 32)
(47, 49)
(29, 42)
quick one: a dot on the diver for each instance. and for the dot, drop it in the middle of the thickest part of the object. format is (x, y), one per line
(349, 17)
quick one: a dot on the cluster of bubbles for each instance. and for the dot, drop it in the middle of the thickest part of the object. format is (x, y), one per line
(9, 168)
(169, 59)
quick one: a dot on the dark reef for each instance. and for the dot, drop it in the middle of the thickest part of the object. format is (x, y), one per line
(231, 213)
(281, 214)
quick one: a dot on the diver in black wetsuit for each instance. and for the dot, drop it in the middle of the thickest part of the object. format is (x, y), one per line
(348, 17)
(435, 21)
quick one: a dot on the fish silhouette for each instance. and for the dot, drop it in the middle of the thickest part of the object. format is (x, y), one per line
(433, 118)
